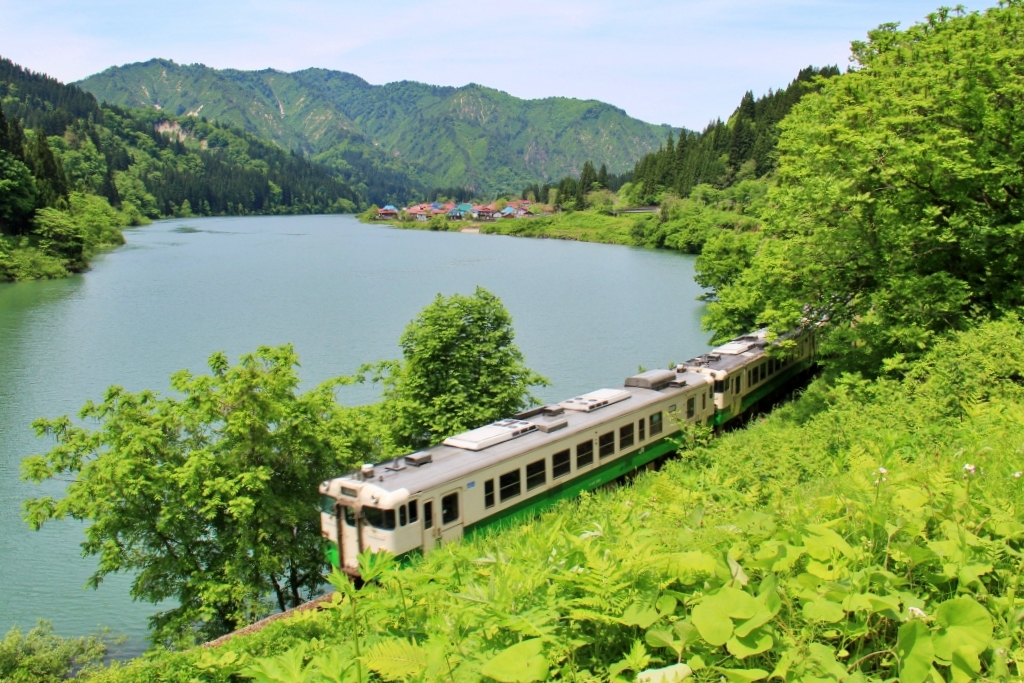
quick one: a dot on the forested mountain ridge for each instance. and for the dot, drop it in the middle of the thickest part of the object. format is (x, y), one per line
(470, 136)
(73, 172)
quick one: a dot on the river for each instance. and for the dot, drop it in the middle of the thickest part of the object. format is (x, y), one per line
(586, 315)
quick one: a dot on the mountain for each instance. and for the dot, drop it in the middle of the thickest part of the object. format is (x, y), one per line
(472, 136)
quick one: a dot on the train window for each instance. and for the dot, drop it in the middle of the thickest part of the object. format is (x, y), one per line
(450, 508)
(402, 519)
(584, 454)
(739, 383)
(350, 516)
(560, 464)
(625, 436)
(414, 513)
(509, 485)
(703, 401)
(536, 474)
(351, 493)
(691, 406)
(327, 504)
(764, 371)
(381, 519)
(489, 493)
(771, 367)
(428, 514)
(606, 444)
(719, 387)
(641, 430)
(656, 423)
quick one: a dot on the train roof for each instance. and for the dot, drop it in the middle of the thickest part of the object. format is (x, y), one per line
(733, 354)
(483, 447)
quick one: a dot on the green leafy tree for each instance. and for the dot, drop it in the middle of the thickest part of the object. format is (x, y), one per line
(61, 236)
(208, 498)
(899, 212)
(460, 369)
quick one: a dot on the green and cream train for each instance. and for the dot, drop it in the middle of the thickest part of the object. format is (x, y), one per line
(519, 465)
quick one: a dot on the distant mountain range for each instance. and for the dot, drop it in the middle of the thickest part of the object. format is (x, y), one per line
(473, 136)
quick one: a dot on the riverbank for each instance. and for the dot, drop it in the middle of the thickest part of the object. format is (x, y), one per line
(63, 242)
(579, 226)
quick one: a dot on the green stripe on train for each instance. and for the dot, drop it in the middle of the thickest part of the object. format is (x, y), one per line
(570, 489)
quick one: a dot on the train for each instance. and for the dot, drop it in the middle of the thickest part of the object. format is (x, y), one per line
(517, 466)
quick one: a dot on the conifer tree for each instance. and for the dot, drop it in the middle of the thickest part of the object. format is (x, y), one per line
(16, 139)
(602, 177)
(51, 183)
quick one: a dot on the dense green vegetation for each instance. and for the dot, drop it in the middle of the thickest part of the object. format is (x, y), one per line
(208, 496)
(74, 173)
(898, 212)
(473, 137)
(868, 531)
(39, 656)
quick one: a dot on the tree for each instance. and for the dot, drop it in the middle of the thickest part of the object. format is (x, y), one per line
(61, 236)
(602, 177)
(17, 194)
(460, 369)
(51, 183)
(899, 210)
(208, 498)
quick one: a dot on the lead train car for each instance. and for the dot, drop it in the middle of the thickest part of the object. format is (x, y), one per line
(516, 466)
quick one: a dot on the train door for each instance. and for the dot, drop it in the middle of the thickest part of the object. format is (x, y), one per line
(431, 530)
(451, 516)
(350, 531)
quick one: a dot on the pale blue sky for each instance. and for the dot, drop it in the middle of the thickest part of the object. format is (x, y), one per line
(681, 62)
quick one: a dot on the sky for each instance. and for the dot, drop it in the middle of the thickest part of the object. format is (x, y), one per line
(681, 62)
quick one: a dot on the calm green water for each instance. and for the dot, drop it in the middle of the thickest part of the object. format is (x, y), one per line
(586, 316)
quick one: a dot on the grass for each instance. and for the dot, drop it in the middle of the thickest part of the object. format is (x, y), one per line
(582, 226)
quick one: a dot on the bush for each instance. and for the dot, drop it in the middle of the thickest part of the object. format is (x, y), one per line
(42, 657)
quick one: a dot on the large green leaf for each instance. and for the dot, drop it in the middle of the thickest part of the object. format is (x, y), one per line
(823, 610)
(753, 644)
(966, 666)
(914, 647)
(961, 621)
(521, 663)
(640, 615)
(712, 622)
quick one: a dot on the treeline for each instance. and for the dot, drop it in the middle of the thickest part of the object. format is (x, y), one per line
(571, 192)
(58, 146)
(725, 153)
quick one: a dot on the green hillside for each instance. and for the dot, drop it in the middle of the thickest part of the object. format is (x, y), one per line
(471, 136)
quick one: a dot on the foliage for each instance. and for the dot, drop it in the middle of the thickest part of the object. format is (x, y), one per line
(40, 656)
(843, 538)
(460, 369)
(707, 215)
(898, 211)
(209, 498)
(725, 152)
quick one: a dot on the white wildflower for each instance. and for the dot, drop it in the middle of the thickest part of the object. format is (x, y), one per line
(969, 470)
(915, 613)
(1017, 474)
(883, 471)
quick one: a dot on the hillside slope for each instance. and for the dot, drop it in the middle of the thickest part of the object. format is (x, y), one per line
(470, 136)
